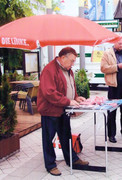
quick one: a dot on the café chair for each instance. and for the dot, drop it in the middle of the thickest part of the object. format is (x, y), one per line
(21, 91)
(31, 97)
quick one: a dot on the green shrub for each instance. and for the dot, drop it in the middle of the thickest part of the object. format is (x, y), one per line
(31, 77)
(15, 76)
(82, 83)
(19, 77)
(7, 110)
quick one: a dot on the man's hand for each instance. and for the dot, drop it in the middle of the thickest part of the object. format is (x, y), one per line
(74, 103)
(120, 65)
(80, 99)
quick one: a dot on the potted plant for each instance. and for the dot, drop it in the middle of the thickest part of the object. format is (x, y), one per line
(82, 86)
(9, 142)
(82, 83)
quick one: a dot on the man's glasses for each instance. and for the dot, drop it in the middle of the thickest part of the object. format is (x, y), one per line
(71, 60)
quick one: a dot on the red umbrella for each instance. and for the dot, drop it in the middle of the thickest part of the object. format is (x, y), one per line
(43, 30)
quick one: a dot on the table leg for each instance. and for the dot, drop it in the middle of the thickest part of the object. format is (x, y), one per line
(102, 148)
(94, 129)
(106, 155)
(70, 150)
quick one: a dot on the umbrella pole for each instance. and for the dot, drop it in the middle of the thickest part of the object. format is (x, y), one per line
(40, 63)
(81, 48)
(54, 51)
(121, 24)
(49, 11)
(50, 53)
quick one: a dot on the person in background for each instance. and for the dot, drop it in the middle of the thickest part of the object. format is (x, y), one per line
(111, 66)
(57, 90)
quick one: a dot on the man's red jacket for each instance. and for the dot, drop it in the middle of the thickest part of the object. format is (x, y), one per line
(52, 91)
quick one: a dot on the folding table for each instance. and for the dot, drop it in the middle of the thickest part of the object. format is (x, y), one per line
(104, 109)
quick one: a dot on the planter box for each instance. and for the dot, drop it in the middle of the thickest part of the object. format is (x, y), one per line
(9, 146)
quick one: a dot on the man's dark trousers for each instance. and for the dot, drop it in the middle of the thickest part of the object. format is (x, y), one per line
(51, 125)
(114, 93)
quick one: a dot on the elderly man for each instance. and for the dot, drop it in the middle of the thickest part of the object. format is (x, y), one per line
(56, 91)
(111, 66)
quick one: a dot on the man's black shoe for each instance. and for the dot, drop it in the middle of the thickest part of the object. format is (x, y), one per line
(121, 131)
(112, 139)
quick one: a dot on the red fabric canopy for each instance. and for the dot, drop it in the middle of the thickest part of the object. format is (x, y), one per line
(43, 30)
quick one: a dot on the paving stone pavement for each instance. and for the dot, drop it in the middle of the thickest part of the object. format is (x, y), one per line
(28, 164)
